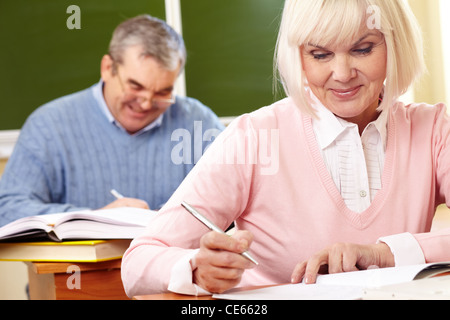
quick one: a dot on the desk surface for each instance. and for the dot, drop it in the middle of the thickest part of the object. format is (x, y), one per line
(171, 296)
(177, 296)
(58, 281)
(61, 267)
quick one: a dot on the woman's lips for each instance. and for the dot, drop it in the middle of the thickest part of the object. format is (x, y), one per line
(345, 94)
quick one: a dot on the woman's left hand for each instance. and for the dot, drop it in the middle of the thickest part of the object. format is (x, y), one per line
(343, 257)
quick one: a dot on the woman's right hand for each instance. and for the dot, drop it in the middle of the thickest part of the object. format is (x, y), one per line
(219, 265)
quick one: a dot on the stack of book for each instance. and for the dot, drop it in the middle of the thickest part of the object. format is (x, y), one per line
(82, 236)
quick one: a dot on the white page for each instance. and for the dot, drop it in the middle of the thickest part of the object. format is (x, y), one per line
(44, 222)
(121, 216)
(340, 286)
(437, 288)
(296, 292)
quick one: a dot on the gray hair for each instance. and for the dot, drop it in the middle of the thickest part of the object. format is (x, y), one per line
(157, 39)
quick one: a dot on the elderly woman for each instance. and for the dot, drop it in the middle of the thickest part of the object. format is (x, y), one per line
(339, 174)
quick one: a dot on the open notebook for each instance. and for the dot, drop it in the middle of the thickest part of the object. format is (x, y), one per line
(437, 288)
(117, 223)
(341, 286)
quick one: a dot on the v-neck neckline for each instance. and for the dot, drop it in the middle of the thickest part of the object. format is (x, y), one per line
(363, 219)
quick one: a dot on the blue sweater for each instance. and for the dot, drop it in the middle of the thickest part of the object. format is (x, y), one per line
(69, 156)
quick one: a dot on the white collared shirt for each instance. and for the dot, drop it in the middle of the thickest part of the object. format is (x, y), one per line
(98, 95)
(355, 162)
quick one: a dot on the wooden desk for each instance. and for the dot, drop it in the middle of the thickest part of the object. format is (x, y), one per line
(75, 281)
(177, 296)
(171, 296)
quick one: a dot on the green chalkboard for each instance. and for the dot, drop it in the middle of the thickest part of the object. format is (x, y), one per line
(42, 59)
(230, 50)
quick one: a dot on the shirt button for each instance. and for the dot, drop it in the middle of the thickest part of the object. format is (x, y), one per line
(363, 194)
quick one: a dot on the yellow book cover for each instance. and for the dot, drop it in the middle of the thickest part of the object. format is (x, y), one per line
(66, 251)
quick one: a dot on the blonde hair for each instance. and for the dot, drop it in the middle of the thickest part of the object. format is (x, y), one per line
(326, 22)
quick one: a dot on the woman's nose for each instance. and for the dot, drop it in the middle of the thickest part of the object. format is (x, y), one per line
(343, 69)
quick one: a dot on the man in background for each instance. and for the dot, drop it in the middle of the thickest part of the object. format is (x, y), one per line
(117, 134)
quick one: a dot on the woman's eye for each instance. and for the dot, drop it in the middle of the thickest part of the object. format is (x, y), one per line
(320, 56)
(363, 51)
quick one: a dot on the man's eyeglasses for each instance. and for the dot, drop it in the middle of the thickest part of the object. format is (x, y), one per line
(136, 94)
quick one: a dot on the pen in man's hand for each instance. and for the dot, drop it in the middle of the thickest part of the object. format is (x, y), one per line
(116, 194)
(212, 226)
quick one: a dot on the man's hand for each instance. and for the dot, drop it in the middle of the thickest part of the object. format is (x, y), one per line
(127, 202)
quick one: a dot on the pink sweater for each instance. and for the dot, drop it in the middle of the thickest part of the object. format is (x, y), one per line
(282, 192)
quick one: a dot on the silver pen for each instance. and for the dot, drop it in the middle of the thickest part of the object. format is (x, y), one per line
(116, 194)
(212, 226)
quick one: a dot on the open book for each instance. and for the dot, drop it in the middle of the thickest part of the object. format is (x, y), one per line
(117, 223)
(436, 288)
(340, 286)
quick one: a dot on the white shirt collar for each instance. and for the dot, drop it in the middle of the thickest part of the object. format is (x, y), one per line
(98, 95)
(328, 127)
